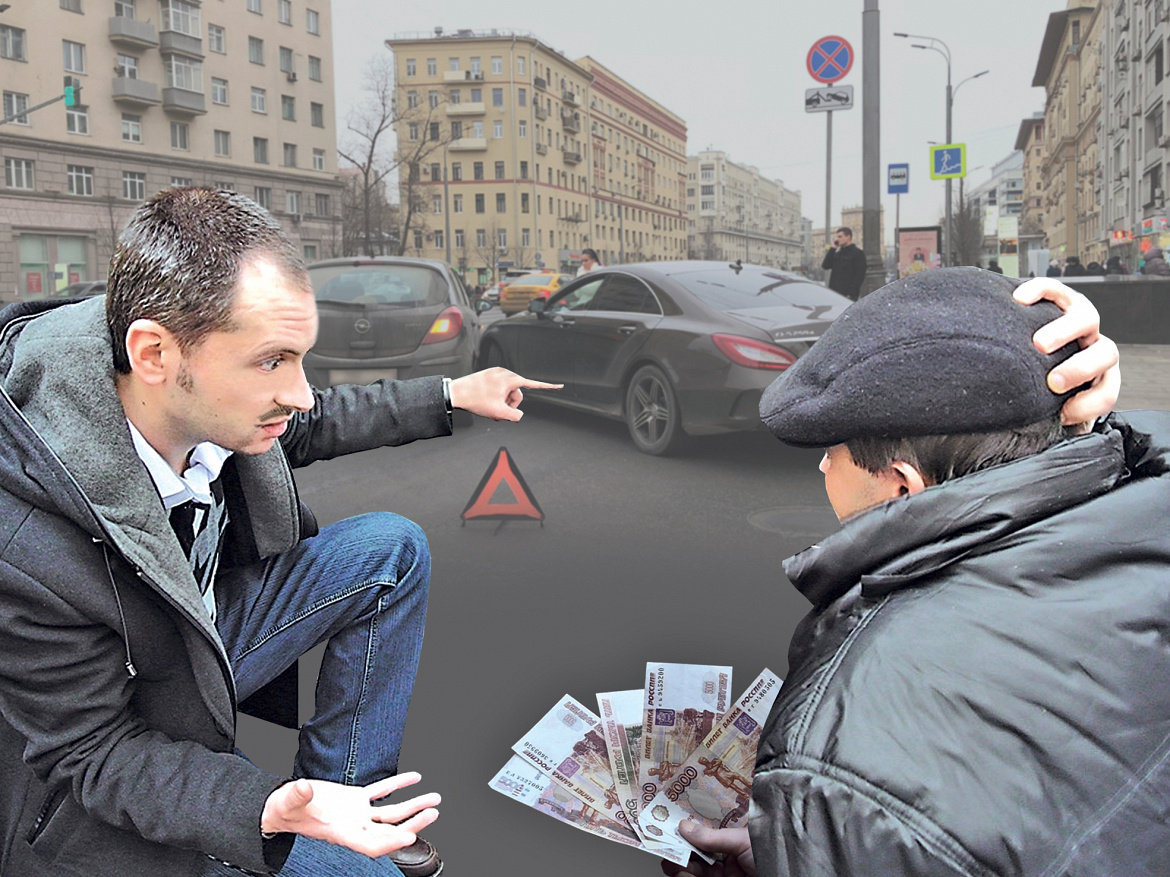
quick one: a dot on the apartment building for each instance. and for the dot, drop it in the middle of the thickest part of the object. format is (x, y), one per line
(232, 93)
(514, 155)
(1001, 196)
(1133, 141)
(735, 213)
(1068, 70)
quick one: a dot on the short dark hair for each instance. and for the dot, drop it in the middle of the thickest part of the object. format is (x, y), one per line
(178, 260)
(939, 458)
(845, 230)
(591, 253)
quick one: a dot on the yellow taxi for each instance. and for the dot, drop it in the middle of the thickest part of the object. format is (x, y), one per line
(516, 295)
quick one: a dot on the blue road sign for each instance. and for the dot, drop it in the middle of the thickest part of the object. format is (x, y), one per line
(829, 59)
(898, 179)
(948, 161)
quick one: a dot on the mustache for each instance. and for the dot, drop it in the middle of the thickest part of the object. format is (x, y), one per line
(278, 414)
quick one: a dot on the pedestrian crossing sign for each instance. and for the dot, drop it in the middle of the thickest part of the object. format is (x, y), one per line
(948, 161)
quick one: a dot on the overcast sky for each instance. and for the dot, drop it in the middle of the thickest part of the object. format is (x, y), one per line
(735, 71)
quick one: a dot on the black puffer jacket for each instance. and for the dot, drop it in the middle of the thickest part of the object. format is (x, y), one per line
(983, 685)
(106, 772)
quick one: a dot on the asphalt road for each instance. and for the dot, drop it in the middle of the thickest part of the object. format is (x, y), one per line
(639, 558)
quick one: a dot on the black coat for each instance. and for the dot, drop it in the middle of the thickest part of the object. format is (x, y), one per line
(983, 685)
(848, 267)
(108, 772)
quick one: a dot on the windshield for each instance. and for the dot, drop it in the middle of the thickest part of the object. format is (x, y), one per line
(531, 280)
(398, 285)
(726, 290)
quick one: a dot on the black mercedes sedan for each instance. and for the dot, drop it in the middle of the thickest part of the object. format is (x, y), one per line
(670, 347)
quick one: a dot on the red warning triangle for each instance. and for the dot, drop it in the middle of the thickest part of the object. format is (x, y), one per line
(491, 500)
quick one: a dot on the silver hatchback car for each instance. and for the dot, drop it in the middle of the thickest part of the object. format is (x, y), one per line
(390, 317)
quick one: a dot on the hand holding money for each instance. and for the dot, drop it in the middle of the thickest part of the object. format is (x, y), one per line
(733, 843)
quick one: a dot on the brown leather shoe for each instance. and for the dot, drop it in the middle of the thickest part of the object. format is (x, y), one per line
(420, 859)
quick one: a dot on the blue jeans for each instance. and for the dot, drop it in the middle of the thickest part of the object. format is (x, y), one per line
(361, 584)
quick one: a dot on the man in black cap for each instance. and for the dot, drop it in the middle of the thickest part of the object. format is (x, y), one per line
(982, 686)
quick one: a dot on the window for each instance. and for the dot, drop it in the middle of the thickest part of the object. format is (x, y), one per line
(480, 238)
(456, 203)
(254, 6)
(131, 128)
(497, 97)
(412, 132)
(292, 202)
(520, 63)
(411, 67)
(215, 39)
(411, 100)
(501, 202)
(434, 130)
(180, 181)
(460, 240)
(523, 170)
(286, 59)
(499, 170)
(525, 238)
(477, 130)
(317, 115)
(432, 67)
(74, 56)
(497, 128)
(260, 150)
(284, 11)
(290, 155)
(440, 240)
(181, 16)
(414, 177)
(184, 73)
(179, 136)
(259, 100)
(124, 8)
(133, 186)
(223, 143)
(477, 170)
(456, 130)
(225, 185)
(288, 108)
(497, 64)
(127, 67)
(523, 202)
(318, 159)
(15, 103)
(76, 120)
(321, 204)
(479, 204)
(437, 204)
(80, 180)
(314, 68)
(523, 128)
(312, 21)
(219, 91)
(71, 5)
(453, 97)
(522, 97)
(502, 238)
(433, 99)
(477, 95)
(476, 66)
(18, 173)
(11, 42)
(310, 252)
(456, 170)
(256, 50)
(262, 195)
(453, 64)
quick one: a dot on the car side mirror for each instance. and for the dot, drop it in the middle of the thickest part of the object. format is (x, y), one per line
(483, 305)
(536, 305)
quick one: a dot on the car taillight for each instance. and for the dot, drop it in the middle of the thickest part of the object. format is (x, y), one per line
(446, 326)
(753, 354)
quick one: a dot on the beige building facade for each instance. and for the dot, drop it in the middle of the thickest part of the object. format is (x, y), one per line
(735, 213)
(522, 157)
(173, 92)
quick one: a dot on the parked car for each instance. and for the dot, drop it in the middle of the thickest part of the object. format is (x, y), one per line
(670, 347)
(520, 292)
(83, 289)
(511, 275)
(390, 317)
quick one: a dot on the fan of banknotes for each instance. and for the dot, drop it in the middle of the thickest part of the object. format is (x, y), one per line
(676, 749)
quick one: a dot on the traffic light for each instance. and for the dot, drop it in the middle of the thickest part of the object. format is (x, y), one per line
(72, 92)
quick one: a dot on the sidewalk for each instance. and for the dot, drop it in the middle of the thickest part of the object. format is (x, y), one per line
(1145, 376)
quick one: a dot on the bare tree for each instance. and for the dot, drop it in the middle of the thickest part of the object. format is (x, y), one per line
(107, 232)
(967, 231)
(489, 250)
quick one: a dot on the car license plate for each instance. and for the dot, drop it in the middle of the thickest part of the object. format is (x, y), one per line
(360, 375)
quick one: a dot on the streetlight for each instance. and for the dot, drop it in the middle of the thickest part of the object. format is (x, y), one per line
(936, 45)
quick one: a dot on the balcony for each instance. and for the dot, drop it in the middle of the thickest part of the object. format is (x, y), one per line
(471, 108)
(571, 122)
(183, 102)
(571, 156)
(540, 112)
(461, 76)
(541, 149)
(468, 144)
(132, 32)
(540, 83)
(135, 92)
(171, 42)
(569, 98)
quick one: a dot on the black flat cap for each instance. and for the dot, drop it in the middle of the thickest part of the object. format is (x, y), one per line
(941, 352)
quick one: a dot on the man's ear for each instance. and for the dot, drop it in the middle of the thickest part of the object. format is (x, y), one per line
(152, 351)
(908, 479)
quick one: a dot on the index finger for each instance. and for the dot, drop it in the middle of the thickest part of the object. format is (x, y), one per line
(383, 787)
(537, 385)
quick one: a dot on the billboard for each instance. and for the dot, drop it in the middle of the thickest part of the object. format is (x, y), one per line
(919, 249)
